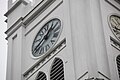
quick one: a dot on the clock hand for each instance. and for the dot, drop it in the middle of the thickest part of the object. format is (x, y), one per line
(45, 37)
(39, 44)
(48, 32)
(51, 28)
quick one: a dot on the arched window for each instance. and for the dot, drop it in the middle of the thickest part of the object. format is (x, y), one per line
(118, 64)
(41, 76)
(57, 70)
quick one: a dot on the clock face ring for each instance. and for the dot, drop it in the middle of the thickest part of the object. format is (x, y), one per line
(114, 23)
(46, 37)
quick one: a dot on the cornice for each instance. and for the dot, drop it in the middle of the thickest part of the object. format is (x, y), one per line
(37, 10)
(14, 27)
(33, 14)
(14, 6)
(45, 59)
(114, 4)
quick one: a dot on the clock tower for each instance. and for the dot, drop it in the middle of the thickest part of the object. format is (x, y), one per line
(63, 40)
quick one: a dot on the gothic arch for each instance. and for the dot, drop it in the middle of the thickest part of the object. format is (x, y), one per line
(57, 70)
(118, 64)
(41, 76)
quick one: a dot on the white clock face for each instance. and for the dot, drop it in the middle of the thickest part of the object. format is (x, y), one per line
(46, 37)
(114, 21)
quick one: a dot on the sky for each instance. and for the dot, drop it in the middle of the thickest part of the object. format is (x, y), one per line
(3, 42)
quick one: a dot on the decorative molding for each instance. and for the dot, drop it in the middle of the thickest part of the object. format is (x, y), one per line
(57, 5)
(14, 37)
(6, 20)
(115, 43)
(45, 59)
(103, 76)
(39, 9)
(15, 5)
(14, 27)
(92, 78)
(114, 3)
(17, 22)
(83, 75)
(21, 21)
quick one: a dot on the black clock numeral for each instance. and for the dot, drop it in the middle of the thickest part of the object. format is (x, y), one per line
(56, 29)
(52, 25)
(41, 33)
(37, 40)
(46, 28)
(37, 52)
(55, 25)
(52, 41)
(56, 34)
(41, 50)
(47, 47)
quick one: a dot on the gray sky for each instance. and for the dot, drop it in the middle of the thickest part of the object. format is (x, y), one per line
(3, 42)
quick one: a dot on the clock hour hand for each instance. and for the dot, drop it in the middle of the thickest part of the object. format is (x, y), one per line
(38, 48)
(45, 37)
(42, 41)
(48, 32)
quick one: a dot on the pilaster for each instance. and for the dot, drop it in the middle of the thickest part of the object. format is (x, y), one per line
(99, 39)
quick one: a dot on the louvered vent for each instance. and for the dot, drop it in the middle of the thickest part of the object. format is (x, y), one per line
(57, 70)
(118, 64)
(41, 76)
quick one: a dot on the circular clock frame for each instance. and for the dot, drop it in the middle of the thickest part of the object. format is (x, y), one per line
(115, 29)
(47, 23)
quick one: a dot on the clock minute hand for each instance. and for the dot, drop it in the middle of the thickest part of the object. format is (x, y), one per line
(36, 48)
(39, 46)
(44, 37)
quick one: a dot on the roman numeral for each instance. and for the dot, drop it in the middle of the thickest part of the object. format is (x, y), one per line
(37, 40)
(55, 25)
(37, 52)
(56, 29)
(41, 33)
(52, 41)
(47, 47)
(41, 51)
(56, 34)
(52, 24)
(46, 28)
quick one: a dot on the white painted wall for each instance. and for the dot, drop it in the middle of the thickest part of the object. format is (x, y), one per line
(112, 53)
(86, 30)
